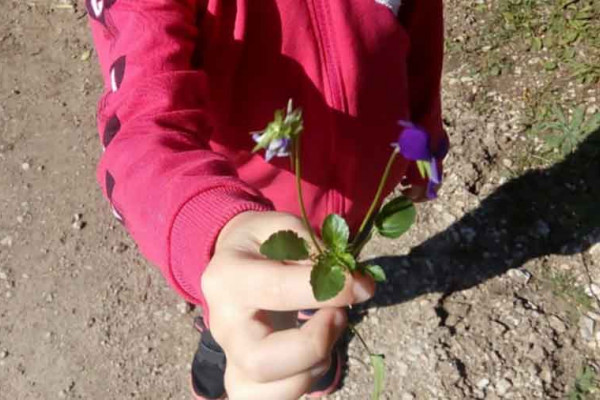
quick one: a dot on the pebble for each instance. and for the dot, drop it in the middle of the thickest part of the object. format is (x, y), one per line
(546, 374)
(407, 396)
(119, 248)
(503, 386)
(77, 222)
(593, 315)
(586, 328)
(3, 276)
(25, 166)
(7, 241)
(556, 324)
(520, 275)
(592, 290)
(507, 163)
(184, 307)
(483, 383)
(3, 354)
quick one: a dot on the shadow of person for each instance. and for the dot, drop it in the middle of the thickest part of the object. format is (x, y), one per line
(543, 212)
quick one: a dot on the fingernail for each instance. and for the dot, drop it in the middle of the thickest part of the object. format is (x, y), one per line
(360, 293)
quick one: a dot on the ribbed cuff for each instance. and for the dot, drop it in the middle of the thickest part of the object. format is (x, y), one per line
(195, 230)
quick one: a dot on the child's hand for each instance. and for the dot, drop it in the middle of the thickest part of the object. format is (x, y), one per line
(243, 289)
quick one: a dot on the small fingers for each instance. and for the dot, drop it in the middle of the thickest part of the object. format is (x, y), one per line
(240, 387)
(283, 354)
(271, 285)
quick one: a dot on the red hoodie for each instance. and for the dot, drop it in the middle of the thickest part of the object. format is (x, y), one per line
(188, 80)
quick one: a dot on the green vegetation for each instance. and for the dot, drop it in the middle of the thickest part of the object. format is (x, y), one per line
(564, 285)
(586, 385)
(562, 133)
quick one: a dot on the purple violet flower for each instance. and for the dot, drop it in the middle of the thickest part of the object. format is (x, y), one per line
(276, 147)
(413, 144)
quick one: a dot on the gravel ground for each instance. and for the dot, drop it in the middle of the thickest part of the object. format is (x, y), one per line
(492, 296)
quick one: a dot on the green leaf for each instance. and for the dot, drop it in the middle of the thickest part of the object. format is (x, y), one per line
(335, 232)
(285, 245)
(577, 119)
(378, 375)
(347, 260)
(396, 217)
(376, 272)
(550, 65)
(327, 278)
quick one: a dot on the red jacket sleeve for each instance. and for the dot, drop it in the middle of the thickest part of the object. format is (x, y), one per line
(424, 23)
(164, 183)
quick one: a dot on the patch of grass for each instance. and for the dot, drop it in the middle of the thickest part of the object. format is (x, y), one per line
(585, 386)
(564, 285)
(563, 133)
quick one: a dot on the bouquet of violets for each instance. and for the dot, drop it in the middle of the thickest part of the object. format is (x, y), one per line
(339, 253)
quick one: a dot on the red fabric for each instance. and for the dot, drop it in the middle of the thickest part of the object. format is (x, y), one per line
(187, 80)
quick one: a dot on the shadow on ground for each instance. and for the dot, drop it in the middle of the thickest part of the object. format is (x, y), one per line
(543, 212)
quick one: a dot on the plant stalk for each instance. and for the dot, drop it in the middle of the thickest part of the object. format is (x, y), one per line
(355, 331)
(377, 197)
(298, 172)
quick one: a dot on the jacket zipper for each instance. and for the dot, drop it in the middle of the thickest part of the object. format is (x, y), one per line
(323, 33)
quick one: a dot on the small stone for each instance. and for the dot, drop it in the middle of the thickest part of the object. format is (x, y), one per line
(77, 222)
(120, 248)
(407, 396)
(3, 276)
(25, 166)
(507, 163)
(20, 219)
(594, 250)
(62, 394)
(483, 383)
(521, 275)
(78, 225)
(8, 295)
(3, 354)
(593, 315)
(25, 276)
(184, 307)
(7, 241)
(586, 328)
(592, 290)
(49, 298)
(556, 324)
(503, 386)
(546, 374)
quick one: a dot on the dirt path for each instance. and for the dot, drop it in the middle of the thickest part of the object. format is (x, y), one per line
(82, 315)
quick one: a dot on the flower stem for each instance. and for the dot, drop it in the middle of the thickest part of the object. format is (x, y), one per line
(355, 331)
(377, 197)
(298, 171)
